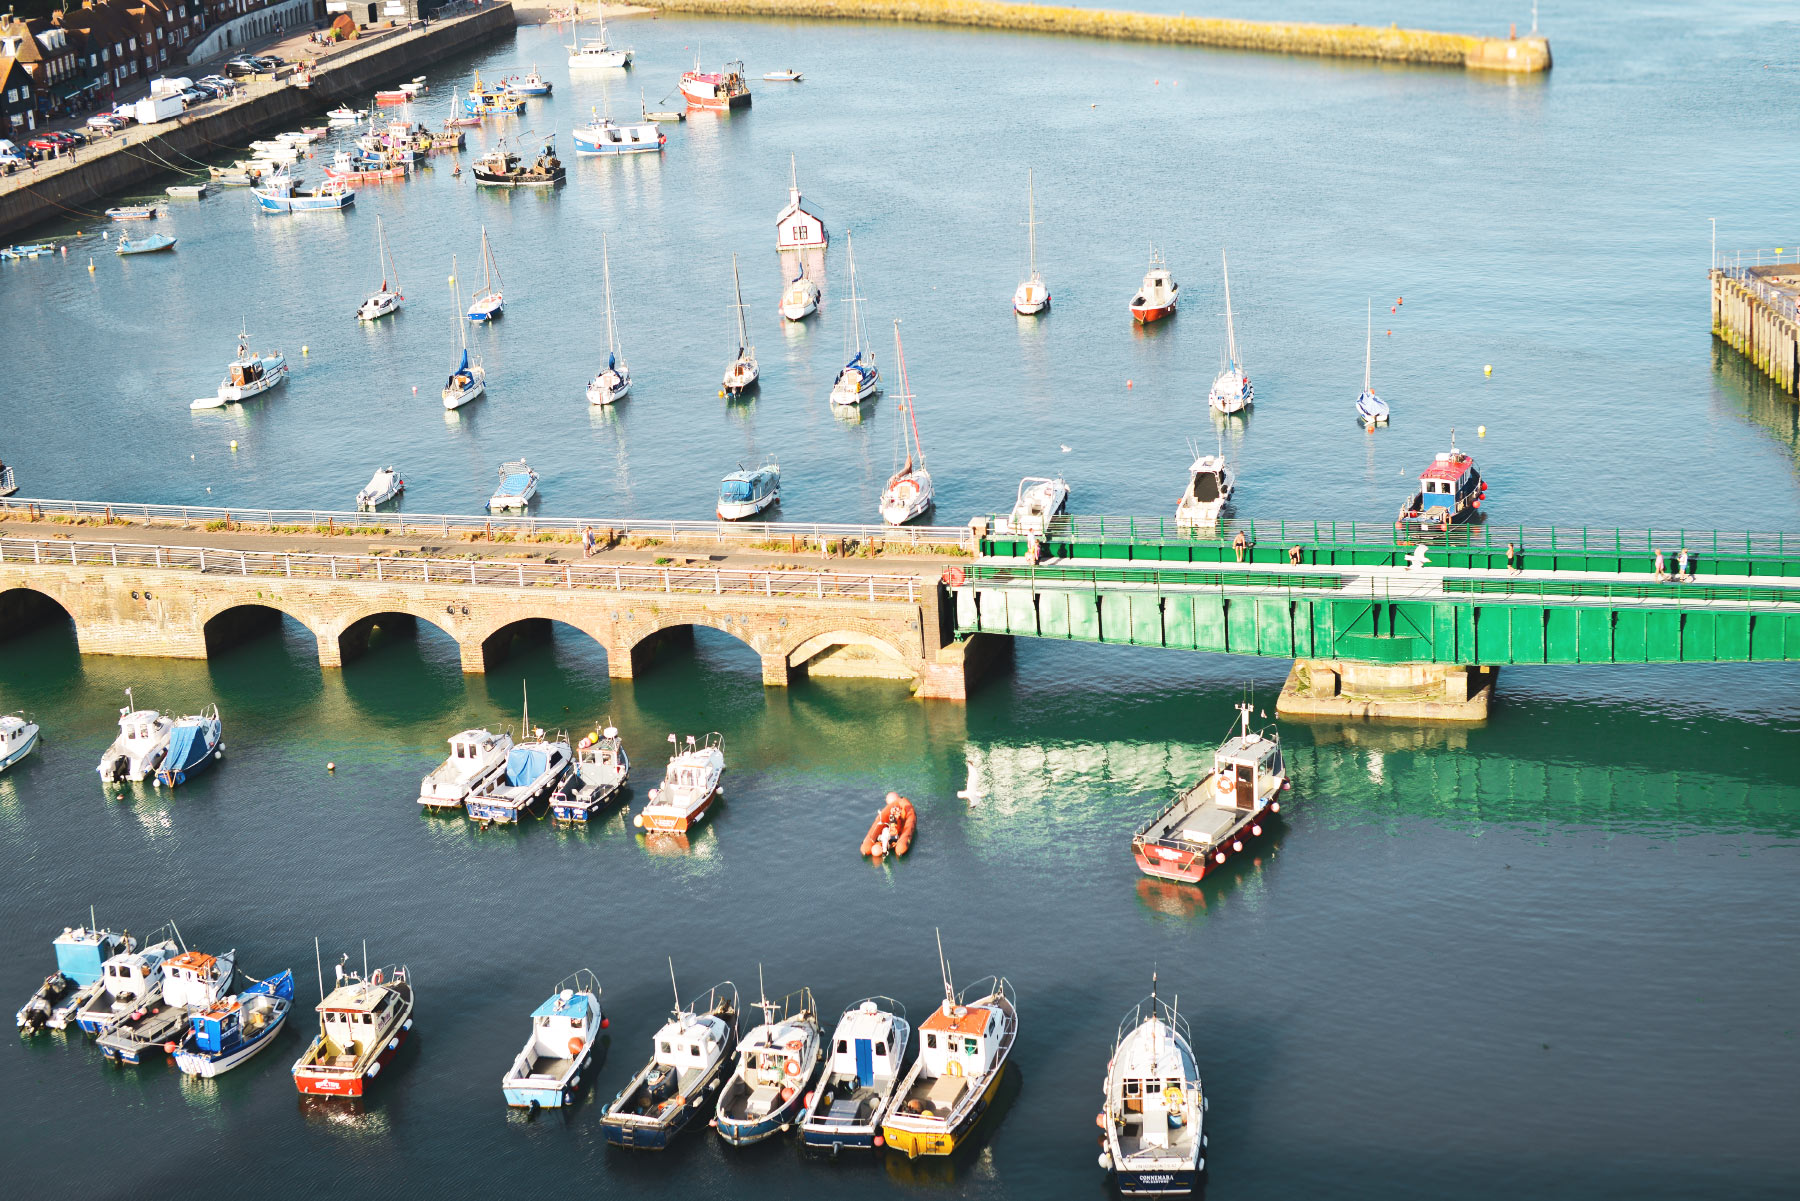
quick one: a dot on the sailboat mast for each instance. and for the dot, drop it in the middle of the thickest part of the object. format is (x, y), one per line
(1230, 329)
(1031, 218)
(606, 272)
(855, 312)
(1368, 341)
(737, 288)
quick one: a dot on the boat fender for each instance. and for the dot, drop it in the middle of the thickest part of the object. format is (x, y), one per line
(1275, 806)
(879, 1141)
(1237, 844)
(575, 1045)
(605, 1022)
(1100, 1120)
(1256, 830)
(809, 1099)
(1219, 858)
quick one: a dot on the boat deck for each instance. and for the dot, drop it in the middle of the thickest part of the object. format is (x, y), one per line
(1195, 820)
(128, 1040)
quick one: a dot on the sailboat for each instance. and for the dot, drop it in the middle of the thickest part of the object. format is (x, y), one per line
(1231, 392)
(859, 378)
(614, 382)
(741, 375)
(595, 52)
(468, 380)
(487, 303)
(387, 298)
(1032, 296)
(908, 492)
(1371, 410)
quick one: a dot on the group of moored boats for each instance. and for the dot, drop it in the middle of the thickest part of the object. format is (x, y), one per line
(166, 750)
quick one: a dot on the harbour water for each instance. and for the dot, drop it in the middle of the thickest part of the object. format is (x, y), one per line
(1553, 955)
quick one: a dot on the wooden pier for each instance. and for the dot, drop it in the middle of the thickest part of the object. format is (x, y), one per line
(1756, 311)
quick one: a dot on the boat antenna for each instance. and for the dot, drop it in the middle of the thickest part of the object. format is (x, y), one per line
(93, 925)
(319, 964)
(944, 966)
(674, 987)
(365, 974)
(525, 718)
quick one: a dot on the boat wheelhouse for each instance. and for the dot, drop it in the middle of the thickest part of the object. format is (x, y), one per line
(196, 742)
(1212, 820)
(129, 981)
(690, 785)
(721, 90)
(136, 752)
(748, 491)
(362, 1022)
(1158, 295)
(474, 756)
(1210, 482)
(1154, 1111)
(862, 1070)
(688, 1055)
(796, 226)
(564, 1031)
(962, 1054)
(224, 1034)
(601, 769)
(769, 1084)
(1450, 492)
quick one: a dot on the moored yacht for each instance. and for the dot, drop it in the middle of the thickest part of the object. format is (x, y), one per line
(909, 490)
(488, 301)
(362, 1022)
(614, 382)
(1371, 410)
(135, 753)
(748, 491)
(863, 1060)
(800, 299)
(1154, 1109)
(687, 1056)
(776, 1062)
(1208, 491)
(387, 298)
(249, 374)
(474, 756)
(859, 378)
(1033, 296)
(1231, 392)
(741, 376)
(564, 1031)
(1158, 295)
(690, 785)
(467, 380)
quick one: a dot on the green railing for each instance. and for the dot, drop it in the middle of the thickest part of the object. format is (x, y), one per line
(1000, 575)
(1598, 589)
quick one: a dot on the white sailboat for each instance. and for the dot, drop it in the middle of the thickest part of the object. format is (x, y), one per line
(860, 377)
(595, 52)
(741, 375)
(468, 380)
(1231, 392)
(488, 301)
(388, 298)
(1033, 296)
(1371, 410)
(908, 492)
(615, 381)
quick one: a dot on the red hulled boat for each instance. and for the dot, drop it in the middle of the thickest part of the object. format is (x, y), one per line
(720, 90)
(362, 1023)
(1212, 821)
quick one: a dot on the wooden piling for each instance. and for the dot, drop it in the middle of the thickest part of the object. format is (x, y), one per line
(1756, 312)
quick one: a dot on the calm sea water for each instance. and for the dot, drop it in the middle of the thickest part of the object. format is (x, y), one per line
(1554, 955)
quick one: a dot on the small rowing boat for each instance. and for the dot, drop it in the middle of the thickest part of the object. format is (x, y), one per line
(148, 244)
(132, 212)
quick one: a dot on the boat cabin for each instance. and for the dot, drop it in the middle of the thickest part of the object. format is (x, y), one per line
(194, 978)
(245, 374)
(81, 953)
(866, 1047)
(747, 487)
(560, 1023)
(473, 747)
(1246, 770)
(132, 975)
(690, 1043)
(1450, 490)
(142, 729)
(220, 1028)
(959, 1042)
(1153, 1078)
(354, 1019)
(797, 228)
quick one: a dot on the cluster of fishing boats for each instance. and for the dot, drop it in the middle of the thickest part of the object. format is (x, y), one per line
(164, 749)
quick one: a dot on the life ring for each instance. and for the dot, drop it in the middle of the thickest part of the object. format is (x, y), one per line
(791, 1067)
(954, 576)
(575, 1045)
(1225, 784)
(1172, 1096)
(376, 978)
(954, 1068)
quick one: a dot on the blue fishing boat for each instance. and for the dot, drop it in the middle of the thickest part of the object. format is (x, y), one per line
(149, 244)
(688, 1054)
(194, 743)
(601, 767)
(281, 194)
(1450, 492)
(529, 85)
(564, 1031)
(768, 1088)
(226, 1033)
(80, 953)
(27, 252)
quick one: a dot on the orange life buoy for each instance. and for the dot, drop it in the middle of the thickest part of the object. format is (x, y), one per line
(1225, 783)
(954, 1068)
(575, 1045)
(791, 1067)
(376, 978)
(954, 576)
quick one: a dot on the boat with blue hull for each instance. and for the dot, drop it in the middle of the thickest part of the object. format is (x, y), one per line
(196, 742)
(130, 980)
(689, 1054)
(223, 1035)
(17, 738)
(769, 1085)
(534, 767)
(81, 952)
(149, 244)
(601, 768)
(565, 1030)
(1371, 410)
(1155, 1110)
(282, 194)
(862, 1070)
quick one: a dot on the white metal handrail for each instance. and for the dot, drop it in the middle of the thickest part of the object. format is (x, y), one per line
(467, 573)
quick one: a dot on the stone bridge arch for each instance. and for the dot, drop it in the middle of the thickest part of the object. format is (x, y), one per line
(226, 621)
(26, 607)
(488, 639)
(850, 653)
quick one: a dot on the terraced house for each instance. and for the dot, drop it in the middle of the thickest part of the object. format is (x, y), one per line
(20, 109)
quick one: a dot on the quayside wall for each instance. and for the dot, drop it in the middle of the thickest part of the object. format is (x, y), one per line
(1389, 44)
(75, 190)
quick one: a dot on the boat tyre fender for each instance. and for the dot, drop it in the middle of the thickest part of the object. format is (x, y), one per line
(575, 1045)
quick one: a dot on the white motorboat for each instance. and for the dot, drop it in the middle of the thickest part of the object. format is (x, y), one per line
(344, 115)
(565, 1029)
(1210, 482)
(387, 298)
(596, 52)
(747, 492)
(603, 135)
(615, 381)
(468, 379)
(1371, 410)
(1231, 392)
(249, 374)
(690, 785)
(139, 748)
(518, 484)
(797, 227)
(1040, 499)
(382, 487)
(771, 1082)
(1033, 296)
(474, 756)
(862, 1070)
(601, 769)
(1154, 1109)
(1158, 295)
(909, 491)
(860, 377)
(488, 302)
(800, 299)
(786, 76)
(17, 738)
(741, 376)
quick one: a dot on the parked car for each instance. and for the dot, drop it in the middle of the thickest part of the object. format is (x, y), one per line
(237, 68)
(60, 137)
(105, 123)
(196, 96)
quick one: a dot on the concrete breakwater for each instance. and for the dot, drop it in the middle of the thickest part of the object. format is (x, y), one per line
(69, 190)
(1391, 44)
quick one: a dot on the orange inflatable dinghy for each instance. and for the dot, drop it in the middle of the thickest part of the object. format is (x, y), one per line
(892, 831)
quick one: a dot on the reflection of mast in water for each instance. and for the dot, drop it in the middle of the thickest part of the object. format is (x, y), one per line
(609, 419)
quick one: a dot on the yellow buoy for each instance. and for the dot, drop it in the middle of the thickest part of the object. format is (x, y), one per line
(1488, 369)
(234, 444)
(1481, 431)
(304, 349)
(90, 264)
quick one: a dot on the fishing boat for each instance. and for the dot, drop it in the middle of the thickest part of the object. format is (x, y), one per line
(518, 484)
(862, 1070)
(485, 102)
(1040, 500)
(388, 297)
(195, 742)
(1158, 295)
(788, 75)
(487, 303)
(135, 753)
(909, 490)
(529, 84)
(595, 52)
(748, 491)
(689, 787)
(1033, 296)
(614, 382)
(1208, 491)
(1154, 1108)
(502, 169)
(17, 738)
(185, 191)
(191, 980)
(223, 1035)
(1211, 821)
(534, 767)
(393, 96)
(250, 374)
(132, 212)
(81, 952)
(965, 1044)
(362, 1022)
(720, 91)
(382, 487)
(688, 1054)
(601, 769)
(467, 379)
(130, 981)
(769, 1083)
(354, 169)
(1371, 410)
(741, 376)
(796, 227)
(1231, 391)
(799, 299)
(149, 244)
(459, 118)
(281, 194)
(1450, 492)
(860, 377)
(475, 755)
(603, 135)
(564, 1031)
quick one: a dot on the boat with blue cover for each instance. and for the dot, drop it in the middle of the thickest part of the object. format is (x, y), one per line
(565, 1029)
(748, 491)
(80, 953)
(195, 742)
(130, 980)
(149, 244)
(534, 767)
(689, 1053)
(518, 484)
(224, 1034)
(601, 767)
(17, 738)
(862, 1070)
(769, 1085)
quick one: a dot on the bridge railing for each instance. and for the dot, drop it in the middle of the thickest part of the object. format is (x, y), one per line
(1579, 589)
(789, 535)
(486, 573)
(1004, 574)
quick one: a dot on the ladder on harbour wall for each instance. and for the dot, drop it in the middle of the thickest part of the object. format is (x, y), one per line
(1759, 323)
